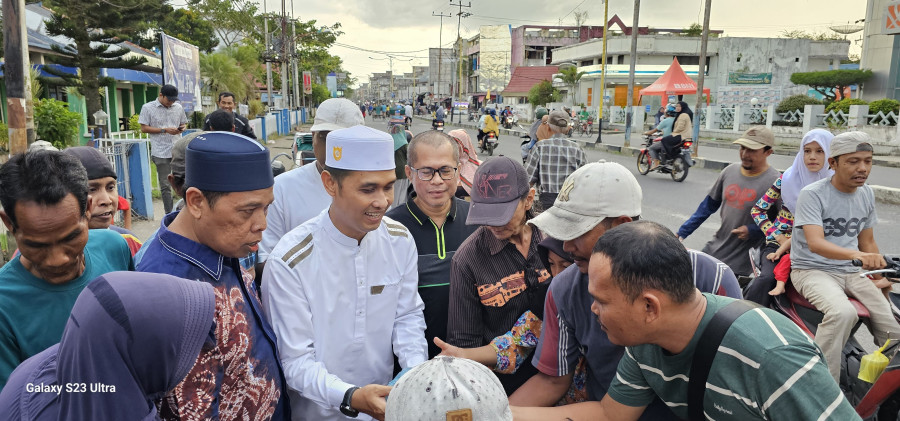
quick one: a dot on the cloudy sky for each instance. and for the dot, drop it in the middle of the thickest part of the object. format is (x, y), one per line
(408, 28)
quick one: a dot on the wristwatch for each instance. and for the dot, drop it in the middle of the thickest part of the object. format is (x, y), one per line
(346, 409)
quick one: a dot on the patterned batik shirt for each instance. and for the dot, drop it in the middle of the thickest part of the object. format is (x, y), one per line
(783, 223)
(237, 375)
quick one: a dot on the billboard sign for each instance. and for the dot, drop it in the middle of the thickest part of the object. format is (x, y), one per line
(749, 78)
(307, 82)
(181, 68)
(892, 18)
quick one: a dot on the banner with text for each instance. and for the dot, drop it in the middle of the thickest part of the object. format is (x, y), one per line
(749, 78)
(181, 68)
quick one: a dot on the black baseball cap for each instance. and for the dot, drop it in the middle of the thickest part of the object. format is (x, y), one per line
(170, 92)
(499, 185)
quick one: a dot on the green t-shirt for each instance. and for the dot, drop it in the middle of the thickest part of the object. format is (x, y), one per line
(34, 312)
(765, 368)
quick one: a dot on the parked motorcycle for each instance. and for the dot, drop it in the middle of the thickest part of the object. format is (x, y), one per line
(873, 401)
(676, 166)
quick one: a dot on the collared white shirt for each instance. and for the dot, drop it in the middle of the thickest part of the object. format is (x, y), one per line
(154, 114)
(341, 310)
(299, 197)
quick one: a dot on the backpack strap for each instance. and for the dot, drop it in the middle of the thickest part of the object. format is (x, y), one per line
(705, 353)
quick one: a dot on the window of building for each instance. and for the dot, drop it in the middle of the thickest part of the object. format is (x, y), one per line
(688, 60)
(587, 63)
(57, 92)
(621, 59)
(534, 55)
(797, 60)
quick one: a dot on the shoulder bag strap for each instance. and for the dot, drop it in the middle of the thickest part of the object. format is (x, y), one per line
(706, 350)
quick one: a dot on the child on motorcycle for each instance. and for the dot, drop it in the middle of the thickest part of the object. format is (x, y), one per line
(782, 269)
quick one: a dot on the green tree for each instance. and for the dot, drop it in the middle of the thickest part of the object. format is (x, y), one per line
(55, 123)
(96, 29)
(184, 24)
(824, 82)
(695, 30)
(543, 93)
(220, 73)
(820, 36)
(571, 76)
(319, 93)
(232, 20)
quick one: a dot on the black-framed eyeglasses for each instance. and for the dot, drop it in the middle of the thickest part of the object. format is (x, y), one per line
(427, 173)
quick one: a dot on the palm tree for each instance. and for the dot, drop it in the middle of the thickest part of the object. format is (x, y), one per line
(571, 76)
(221, 73)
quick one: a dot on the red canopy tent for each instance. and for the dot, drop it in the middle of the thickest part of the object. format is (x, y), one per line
(673, 82)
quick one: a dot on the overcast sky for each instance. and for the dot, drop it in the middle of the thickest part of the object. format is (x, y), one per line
(407, 27)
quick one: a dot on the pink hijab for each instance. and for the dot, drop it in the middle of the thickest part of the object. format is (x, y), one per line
(469, 161)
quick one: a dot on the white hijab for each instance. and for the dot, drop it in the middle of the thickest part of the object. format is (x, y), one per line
(798, 176)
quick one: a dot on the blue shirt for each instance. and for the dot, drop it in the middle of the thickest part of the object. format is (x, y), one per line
(33, 312)
(666, 125)
(240, 355)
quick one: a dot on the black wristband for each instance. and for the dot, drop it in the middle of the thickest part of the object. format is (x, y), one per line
(345, 408)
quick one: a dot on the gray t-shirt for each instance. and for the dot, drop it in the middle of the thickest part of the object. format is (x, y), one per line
(738, 193)
(841, 215)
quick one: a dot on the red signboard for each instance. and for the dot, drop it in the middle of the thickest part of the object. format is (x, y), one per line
(307, 82)
(892, 18)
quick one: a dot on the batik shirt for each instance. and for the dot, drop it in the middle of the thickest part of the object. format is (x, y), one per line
(238, 374)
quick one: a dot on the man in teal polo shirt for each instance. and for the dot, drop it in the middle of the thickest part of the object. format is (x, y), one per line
(46, 207)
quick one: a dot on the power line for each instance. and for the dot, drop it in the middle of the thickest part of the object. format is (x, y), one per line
(570, 12)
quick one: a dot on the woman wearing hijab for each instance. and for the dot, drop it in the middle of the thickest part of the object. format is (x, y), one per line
(468, 162)
(130, 339)
(682, 130)
(659, 116)
(810, 165)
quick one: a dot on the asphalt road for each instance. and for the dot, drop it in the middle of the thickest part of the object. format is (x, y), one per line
(671, 203)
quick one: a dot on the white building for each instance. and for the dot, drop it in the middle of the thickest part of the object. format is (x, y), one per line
(738, 69)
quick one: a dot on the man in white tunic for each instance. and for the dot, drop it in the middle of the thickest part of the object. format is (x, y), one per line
(340, 290)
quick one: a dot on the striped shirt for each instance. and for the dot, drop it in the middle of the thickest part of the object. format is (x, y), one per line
(154, 114)
(765, 368)
(551, 161)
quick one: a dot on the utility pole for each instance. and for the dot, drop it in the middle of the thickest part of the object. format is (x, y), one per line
(603, 72)
(285, 97)
(700, 75)
(269, 101)
(458, 86)
(629, 112)
(18, 89)
(294, 56)
(440, 47)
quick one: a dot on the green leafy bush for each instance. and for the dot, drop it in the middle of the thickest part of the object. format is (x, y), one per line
(796, 102)
(885, 106)
(133, 124)
(256, 108)
(4, 136)
(844, 105)
(543, 93)
(55, 123)
(196, 121)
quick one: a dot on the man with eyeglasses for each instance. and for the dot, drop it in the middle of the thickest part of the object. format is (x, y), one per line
(437, 221)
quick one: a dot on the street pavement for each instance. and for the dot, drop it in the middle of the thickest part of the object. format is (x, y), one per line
(671, 203)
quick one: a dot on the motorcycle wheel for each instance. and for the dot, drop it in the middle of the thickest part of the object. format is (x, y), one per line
(679, 169)
(590, 130)
(644, 162)
(490, 150)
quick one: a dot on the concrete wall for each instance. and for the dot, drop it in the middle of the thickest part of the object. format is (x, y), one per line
(880, 54)
(494, 57)
(447, 67)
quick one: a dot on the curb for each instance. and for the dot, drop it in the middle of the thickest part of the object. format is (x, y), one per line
(883, 194)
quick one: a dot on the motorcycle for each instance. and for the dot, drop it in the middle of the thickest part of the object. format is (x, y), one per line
(490, 143)
(472, 116)
(676, 166)
(437, 125)
(507, 122)
(873, 401)
(398, 120)
(587, 127)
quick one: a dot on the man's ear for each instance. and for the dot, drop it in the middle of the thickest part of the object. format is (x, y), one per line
(7, 221)
(195, 202)
(331, 185)
(652, 306)
(87, 209)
